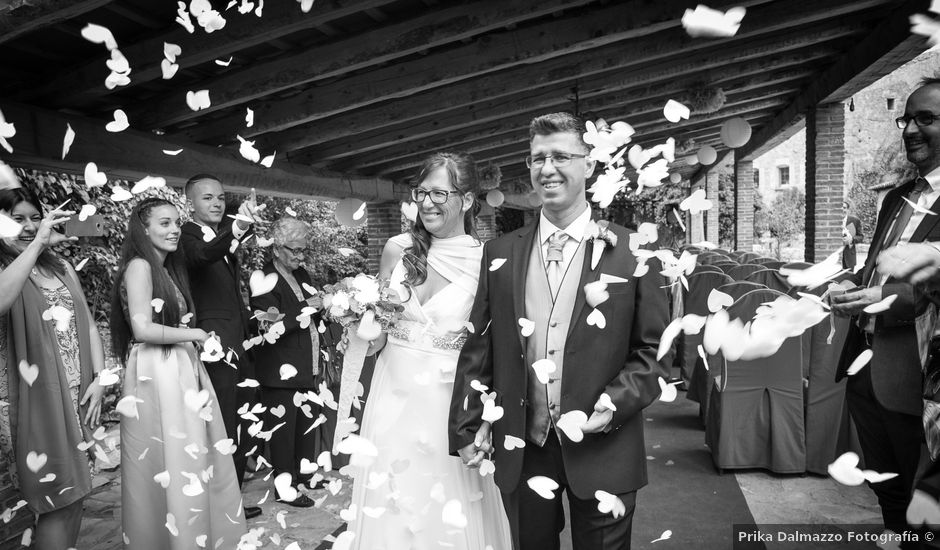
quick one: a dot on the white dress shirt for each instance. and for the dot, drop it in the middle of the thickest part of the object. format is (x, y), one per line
(575, 231)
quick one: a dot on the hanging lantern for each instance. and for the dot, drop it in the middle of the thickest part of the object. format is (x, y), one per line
(735, 132)
(351, 212)
(495, 198)
(675, 177)
(707, 155)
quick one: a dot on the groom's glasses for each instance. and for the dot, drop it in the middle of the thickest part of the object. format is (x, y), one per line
(558, 159)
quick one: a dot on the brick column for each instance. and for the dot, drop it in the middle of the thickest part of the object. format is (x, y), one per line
(711, 215)
(384, 221)
(825, 180)
(743, 205)
(695, 232)
(486, 222)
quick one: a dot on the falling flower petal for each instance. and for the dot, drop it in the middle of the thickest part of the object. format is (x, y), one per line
(199, 100)
(543, 486)
(675, 111)
(571, 423)
(708, 22)
(859, 362)
(96, 34)
(67, 141)
(497, 263)
(881, 306)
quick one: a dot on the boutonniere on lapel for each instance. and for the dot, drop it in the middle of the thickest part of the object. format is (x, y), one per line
(600, 234)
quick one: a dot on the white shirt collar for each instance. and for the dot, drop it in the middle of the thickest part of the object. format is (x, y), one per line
(575, 229)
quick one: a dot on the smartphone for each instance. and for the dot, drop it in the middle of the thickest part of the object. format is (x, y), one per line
(93, 226)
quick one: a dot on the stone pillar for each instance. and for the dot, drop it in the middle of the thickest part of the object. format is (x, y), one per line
(744, 205)
(825, 180)
(711, 215)
(486, 222)
(384, 221)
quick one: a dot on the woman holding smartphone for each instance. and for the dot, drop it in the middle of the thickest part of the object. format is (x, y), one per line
(50, 353)
(176, 463)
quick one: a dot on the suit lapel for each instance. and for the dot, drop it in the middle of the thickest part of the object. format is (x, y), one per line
(927, 224)
(519, 260)
(588, 275)
(884, 222)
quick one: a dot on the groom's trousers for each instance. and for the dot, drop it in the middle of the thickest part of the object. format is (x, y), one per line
(536, 523)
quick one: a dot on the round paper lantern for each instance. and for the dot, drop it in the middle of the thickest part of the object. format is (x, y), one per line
(675, 177)
(350, 212)
(534, 200)
(707, 154)
(735, 132)
(495, 198)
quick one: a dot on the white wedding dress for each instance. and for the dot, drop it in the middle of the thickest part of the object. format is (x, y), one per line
(415, 495)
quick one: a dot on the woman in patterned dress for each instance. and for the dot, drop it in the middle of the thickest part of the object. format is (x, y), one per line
(50, 353)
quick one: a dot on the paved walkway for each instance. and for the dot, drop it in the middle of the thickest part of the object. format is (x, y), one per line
(770, 498)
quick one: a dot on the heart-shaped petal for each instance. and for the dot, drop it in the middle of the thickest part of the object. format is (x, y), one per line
(197, 101)
(609, 504)
(718, 299)
(168, 69)
(491, 411)
(543, 486)
(87, 210)
(923, 509)
(119, 124)
(288, 371)
(675, 111)
(596, 319)
(410, 211)
(543, 369)
(284, 487)
(35, 461)
(487, 467)
(668, 391)
(452, 514)
(605, 401)
(119, 194)
(512, 442)
(94, 178)
(163, 478)
(595, 293)
(526, 326)
(170, 51)
(28, 372)
(127, 406)
(571, 423)
(259, 283)
(845, 470)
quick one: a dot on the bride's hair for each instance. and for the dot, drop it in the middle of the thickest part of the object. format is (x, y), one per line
(462, 174)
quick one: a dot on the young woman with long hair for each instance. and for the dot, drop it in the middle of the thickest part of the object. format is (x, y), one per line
(179, 489)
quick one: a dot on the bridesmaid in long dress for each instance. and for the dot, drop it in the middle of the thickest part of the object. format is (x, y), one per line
(179, 489)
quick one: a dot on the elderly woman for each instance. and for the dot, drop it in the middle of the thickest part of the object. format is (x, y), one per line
(50, 353)
(287, 367)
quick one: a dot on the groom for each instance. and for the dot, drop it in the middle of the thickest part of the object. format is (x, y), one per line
(609, 374)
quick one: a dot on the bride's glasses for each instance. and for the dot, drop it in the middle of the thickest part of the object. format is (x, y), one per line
(438, 196)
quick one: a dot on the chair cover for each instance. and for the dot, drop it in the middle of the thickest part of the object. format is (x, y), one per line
(776, 264)
(712, 258)
(737, 289)
(762, 260)
(797, 265)
(771, 278)
(741, 272)
(695, 300)
(830, 430)
(701, 268)
(748, 257)
(721, 251)
(736, 254)
(726, 266)
(755, 413)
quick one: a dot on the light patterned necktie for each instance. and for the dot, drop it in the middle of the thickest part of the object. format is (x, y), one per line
(554, 258)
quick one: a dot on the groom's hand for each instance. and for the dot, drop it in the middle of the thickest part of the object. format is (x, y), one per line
(599, 419)
(475, 452)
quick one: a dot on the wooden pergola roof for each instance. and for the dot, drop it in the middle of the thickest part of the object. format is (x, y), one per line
(353, 94)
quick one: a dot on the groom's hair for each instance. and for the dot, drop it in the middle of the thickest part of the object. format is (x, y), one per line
(554, 123)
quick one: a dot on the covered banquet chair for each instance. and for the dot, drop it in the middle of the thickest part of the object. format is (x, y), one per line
(771, 278)
(741, 272)
(755, 412)
(694, 371)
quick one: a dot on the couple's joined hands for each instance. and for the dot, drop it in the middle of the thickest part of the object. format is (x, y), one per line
(474, 453)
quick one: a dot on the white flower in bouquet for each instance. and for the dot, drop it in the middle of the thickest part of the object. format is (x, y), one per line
(339, 304)
(366, 289)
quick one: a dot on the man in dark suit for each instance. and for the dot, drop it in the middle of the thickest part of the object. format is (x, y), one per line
(609, 375)
(209, 242)
(884, 398)
(851, 236)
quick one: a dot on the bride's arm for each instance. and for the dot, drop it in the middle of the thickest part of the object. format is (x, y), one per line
(139, 285)
(390, 255)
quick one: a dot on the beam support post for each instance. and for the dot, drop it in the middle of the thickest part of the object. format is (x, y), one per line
(825, 180)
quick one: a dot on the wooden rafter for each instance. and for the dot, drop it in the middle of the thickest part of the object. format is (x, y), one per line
(241, 32)
(37, 14)
(493, 52)
(133, 154)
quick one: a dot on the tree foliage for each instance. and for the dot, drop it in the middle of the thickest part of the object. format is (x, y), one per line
(888, 166)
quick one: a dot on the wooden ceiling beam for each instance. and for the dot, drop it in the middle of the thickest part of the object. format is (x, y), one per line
(626, 105)
(133, 154)
(890, 41)
(382, 45)
(37, 14)
(475, 67)
(86, 81)
(515, 89)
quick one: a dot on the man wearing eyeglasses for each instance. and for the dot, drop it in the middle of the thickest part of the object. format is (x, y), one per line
(884, 398)
(571, 368)
(209, 242)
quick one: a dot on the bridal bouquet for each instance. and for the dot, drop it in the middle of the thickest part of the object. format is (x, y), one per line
(365, 306)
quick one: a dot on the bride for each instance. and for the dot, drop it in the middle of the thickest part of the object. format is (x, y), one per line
(414, 495)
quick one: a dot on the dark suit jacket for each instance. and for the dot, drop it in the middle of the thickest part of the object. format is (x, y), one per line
(294, 346)
(216, 294)
(895, 366)
(849, 254)
(619, 360)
